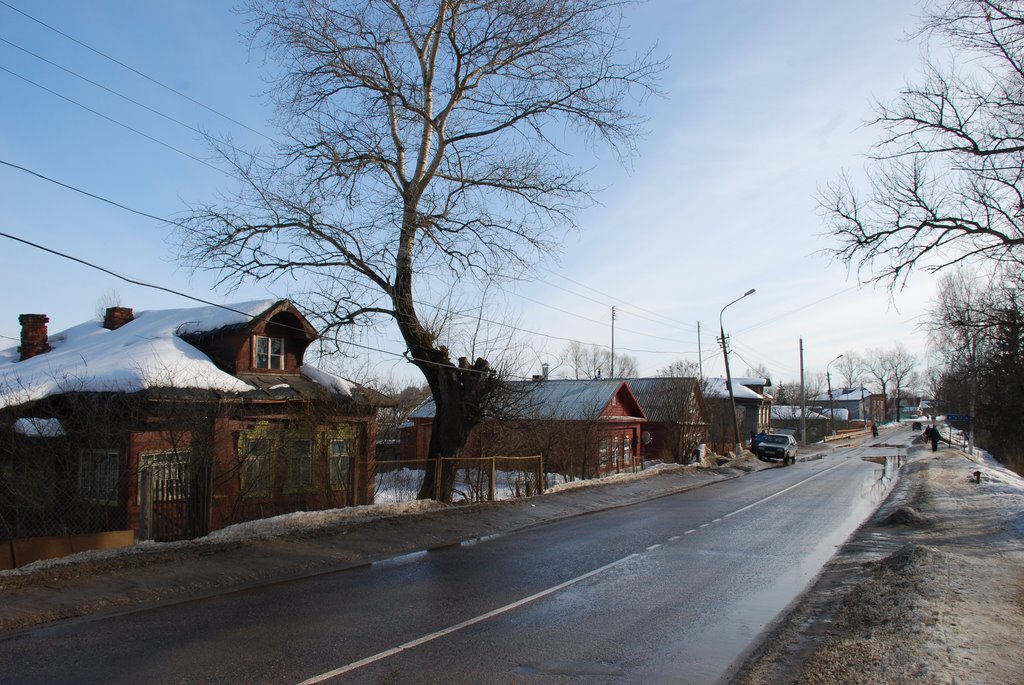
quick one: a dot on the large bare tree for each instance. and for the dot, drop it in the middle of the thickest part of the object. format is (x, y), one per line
(945, 182)
(428, 142)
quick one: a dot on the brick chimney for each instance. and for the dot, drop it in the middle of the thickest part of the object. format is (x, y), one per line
(34, 337)
(117, 317)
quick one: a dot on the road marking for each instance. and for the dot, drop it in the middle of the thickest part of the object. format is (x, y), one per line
(459, 626)
(692, 530)
(653, 547)
(715, 520)
(784, 490)
(673, 538)
(704, 525)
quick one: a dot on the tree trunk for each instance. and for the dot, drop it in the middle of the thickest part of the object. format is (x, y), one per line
(459, 396)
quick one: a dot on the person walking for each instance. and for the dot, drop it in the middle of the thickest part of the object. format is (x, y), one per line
(874, 429)
(934, 435)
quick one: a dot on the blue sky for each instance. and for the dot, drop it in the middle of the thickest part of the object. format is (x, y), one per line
(764, 103)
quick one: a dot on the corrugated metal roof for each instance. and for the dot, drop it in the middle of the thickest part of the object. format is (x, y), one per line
(557, 399)
(651, 394)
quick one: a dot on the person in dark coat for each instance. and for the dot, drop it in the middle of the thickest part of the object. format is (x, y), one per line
(874, 429)
(934, 436)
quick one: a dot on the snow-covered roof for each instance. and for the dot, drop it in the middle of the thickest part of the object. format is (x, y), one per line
(786, 412)
(844, 395)
(716, 388)
(147, 352)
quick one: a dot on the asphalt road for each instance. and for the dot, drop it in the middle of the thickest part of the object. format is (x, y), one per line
(669, 591)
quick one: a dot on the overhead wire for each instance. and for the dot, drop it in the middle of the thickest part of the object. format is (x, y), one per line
(115, 92)
(134, 70)
(114, 121)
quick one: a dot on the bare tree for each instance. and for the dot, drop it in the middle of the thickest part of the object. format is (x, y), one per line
(592, 361)
(876, 366)
(900, 365)
(946, 180)
(851, 369)
(425, 146)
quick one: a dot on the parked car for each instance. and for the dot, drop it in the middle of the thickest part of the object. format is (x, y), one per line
(777, 446)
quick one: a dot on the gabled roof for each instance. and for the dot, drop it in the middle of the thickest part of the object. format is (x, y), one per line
(785, 412)
(659, 395)
(716, 388)
(552, 399)
(147, 352)
(843, 395)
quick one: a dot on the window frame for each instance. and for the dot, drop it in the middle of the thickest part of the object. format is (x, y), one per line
(269, 354)
(255, 478)
(300, 464)
(339, 465)
(89, 486)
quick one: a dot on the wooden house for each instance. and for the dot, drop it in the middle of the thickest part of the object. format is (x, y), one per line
(582, 428)
(174, 423)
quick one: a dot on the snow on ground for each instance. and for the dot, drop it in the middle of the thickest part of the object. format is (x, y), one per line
(395, 498)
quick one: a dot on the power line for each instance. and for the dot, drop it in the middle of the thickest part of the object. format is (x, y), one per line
(687, 327)
(114, 92)
(135, 71)
(113, 121)
(88, 194)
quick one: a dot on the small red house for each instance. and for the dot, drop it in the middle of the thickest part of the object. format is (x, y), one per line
(174, 423)
(582, 428)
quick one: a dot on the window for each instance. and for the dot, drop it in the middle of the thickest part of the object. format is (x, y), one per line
(269, 353)
(602, 451)
(97, 475)
(340, 464)
(627, 450)
(616, 452)
(169, 472)
(255, 475)
(300, 464)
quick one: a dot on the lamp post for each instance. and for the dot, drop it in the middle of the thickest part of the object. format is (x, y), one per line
(831, 404)
(728, 374)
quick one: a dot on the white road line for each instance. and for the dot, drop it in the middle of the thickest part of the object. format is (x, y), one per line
(715, 520)
(653, 547)
(673, 538)
(704, 525)
(459, 626)
(784, 490)
(692, 530)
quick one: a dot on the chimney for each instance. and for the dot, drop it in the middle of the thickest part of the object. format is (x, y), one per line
(34, 337)
(544, 370)
(117, 317)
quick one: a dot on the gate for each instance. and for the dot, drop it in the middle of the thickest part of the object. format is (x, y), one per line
(174, 497)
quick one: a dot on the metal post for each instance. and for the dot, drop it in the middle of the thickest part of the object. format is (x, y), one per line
(803, 397)
(831, 402)
(728, 374)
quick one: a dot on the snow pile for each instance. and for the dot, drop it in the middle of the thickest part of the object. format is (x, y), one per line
(147, 352)
(307, 521)
(328, 380)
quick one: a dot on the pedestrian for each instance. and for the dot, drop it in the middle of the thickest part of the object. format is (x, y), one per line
(874, 429)
(934, 435)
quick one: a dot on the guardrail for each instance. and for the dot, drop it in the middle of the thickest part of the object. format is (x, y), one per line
(844, 434)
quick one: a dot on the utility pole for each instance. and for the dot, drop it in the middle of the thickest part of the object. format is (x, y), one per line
(803, 397)
(728, 375)
(613, 342)
(700, 355)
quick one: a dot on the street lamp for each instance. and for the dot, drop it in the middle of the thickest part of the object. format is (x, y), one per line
(831, 404)
(728, 374)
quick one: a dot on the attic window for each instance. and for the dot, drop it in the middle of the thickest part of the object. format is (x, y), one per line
(269, 353)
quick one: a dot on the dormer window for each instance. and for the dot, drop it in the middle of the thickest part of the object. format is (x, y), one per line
(269, 353)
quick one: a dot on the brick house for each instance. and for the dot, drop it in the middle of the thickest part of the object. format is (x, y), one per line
(174, 423)
(582, 428)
